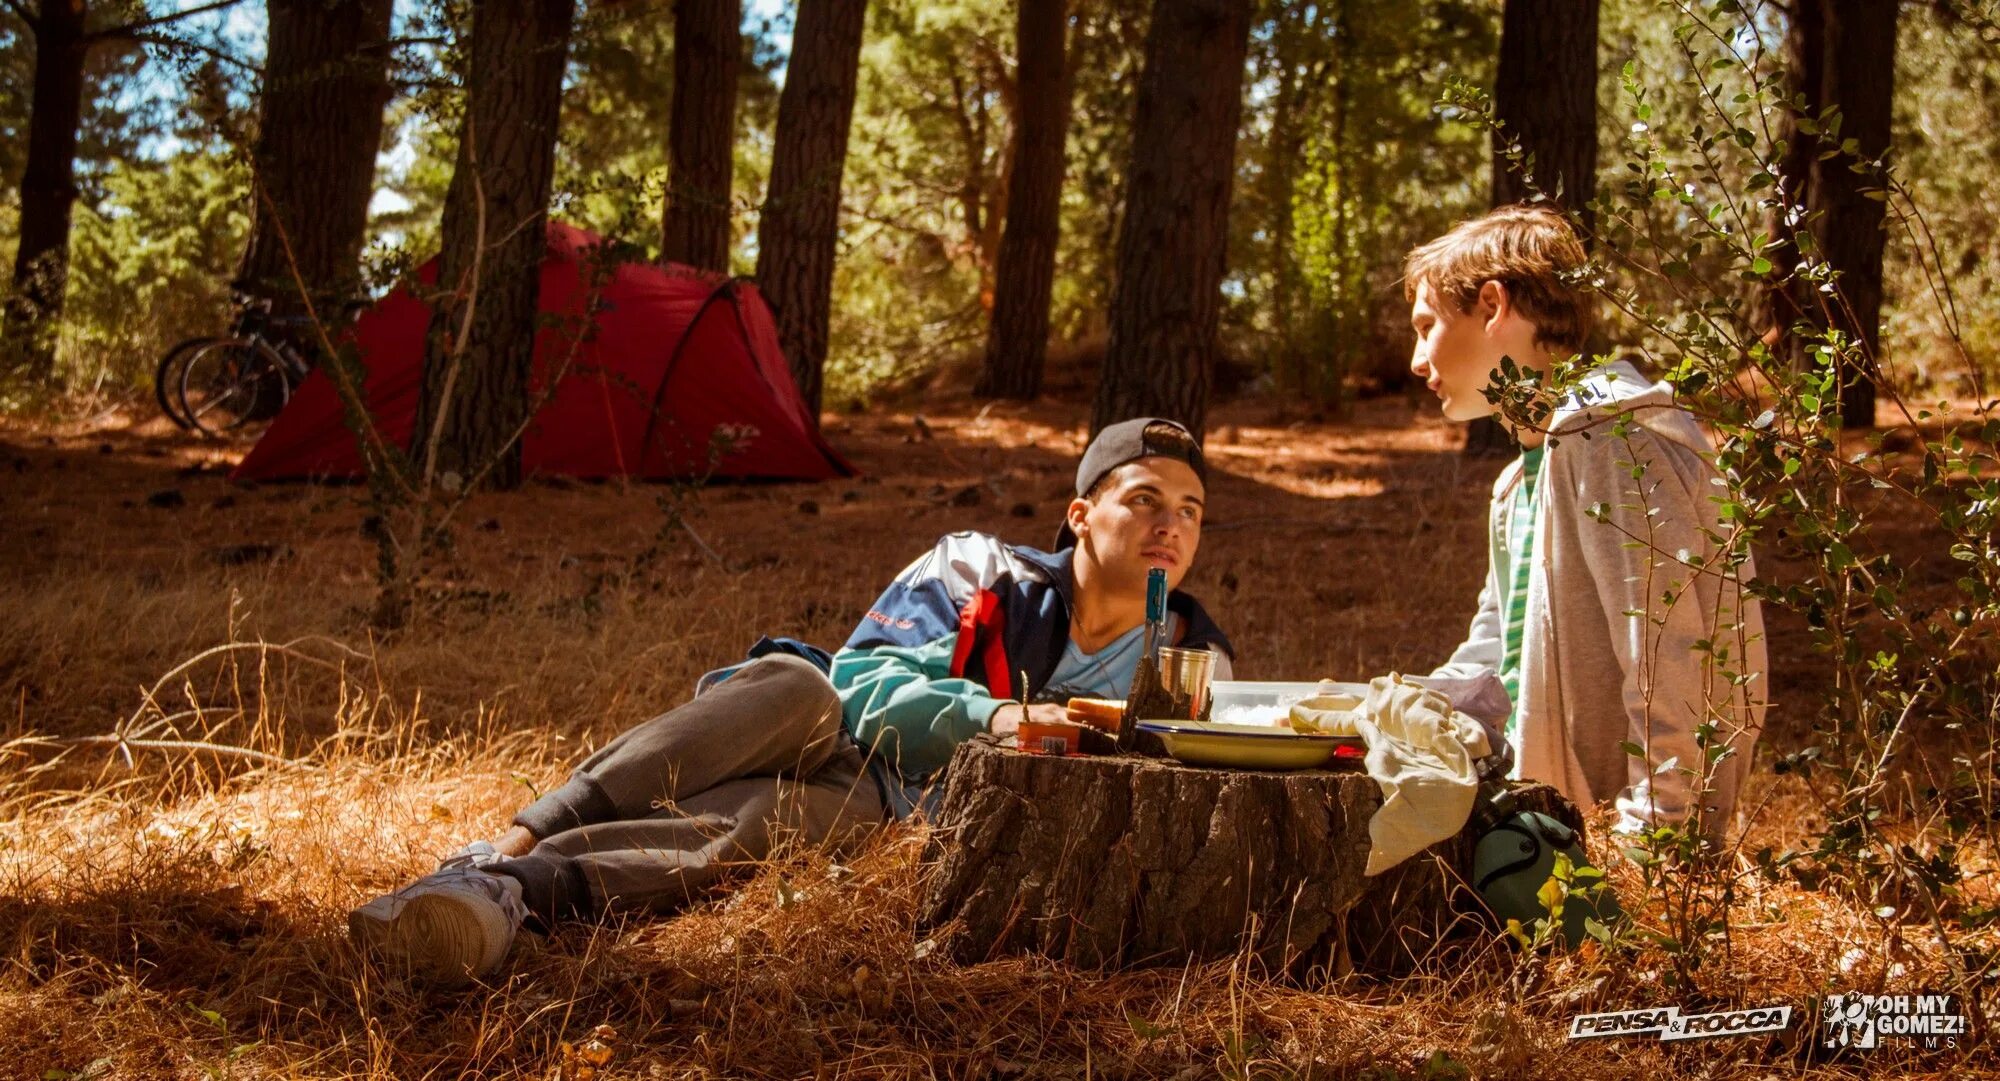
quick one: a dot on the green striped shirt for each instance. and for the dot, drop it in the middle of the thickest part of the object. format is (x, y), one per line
(1523, 511)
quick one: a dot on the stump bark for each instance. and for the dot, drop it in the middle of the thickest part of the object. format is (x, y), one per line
(1112, 862)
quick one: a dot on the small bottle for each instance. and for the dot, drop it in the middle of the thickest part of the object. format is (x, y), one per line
(1156, 613)
(1146, 676)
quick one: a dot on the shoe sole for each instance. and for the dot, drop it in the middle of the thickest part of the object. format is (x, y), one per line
(435, 937)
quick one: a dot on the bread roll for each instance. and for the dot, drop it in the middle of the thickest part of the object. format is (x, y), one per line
(1103, 713)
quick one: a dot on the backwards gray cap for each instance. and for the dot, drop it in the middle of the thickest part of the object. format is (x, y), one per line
(1129, 441)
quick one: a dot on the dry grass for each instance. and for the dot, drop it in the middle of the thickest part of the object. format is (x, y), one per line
(138, 897)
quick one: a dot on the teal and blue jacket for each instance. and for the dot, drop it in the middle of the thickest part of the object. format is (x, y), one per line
(971, 625)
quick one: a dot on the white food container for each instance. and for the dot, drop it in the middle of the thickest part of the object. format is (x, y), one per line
(1238, 701)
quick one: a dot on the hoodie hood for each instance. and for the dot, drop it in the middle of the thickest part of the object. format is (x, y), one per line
(1618, 388)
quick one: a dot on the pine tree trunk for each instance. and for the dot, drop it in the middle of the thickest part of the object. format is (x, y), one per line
(1160, 360)
(48, 191)
(326, 80)
(1785, 301)
(1018, 336)
(800, 228)
(1337, 332)
(708, 52)
(1281, 179)
(1545, 95)
(479, 352)
(1860, 76)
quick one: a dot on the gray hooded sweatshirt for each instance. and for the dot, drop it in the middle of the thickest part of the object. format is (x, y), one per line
(1596, 674)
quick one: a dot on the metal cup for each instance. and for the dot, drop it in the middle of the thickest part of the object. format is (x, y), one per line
(1185, 674)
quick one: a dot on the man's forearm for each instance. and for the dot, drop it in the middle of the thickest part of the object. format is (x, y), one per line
(1007, 719)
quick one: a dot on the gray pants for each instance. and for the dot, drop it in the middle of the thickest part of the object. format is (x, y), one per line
(667, 810)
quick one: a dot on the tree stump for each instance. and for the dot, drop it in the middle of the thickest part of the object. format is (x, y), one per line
(1112, 862)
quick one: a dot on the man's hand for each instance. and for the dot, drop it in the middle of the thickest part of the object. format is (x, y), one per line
(1007, 719)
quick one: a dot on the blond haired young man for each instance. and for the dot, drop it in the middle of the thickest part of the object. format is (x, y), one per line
(1602, 579)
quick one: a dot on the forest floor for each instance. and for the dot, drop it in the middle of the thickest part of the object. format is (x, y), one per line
(181, 913)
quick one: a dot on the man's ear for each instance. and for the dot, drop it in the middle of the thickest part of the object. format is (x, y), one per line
(1493, 305)
(1078, 507)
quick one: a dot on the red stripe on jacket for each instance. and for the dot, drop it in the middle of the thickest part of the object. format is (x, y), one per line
(981, 627)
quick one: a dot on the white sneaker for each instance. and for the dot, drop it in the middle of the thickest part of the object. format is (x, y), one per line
(449, 926)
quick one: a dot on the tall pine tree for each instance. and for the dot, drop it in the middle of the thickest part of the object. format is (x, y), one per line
(1172, 244)
(63, 41)
(1018, 334)
(701, 145)
(800, 228)
(1840, 55)
(1843, 199)
(479, 351)
(326, 80)
(1545, 96)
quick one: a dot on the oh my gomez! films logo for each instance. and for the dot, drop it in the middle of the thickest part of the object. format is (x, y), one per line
(1926, 1022)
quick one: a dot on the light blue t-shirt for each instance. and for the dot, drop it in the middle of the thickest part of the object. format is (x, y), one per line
(1106, 673)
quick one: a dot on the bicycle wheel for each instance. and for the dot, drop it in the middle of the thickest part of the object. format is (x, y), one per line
(232, 381)
(167, 376)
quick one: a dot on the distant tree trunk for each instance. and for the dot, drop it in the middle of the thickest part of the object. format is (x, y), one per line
(479, 352)
(1316, 316)
(708, 53)
(1295, 83)
(1174, 238)
(1017, 337)
(1859, 74)
(1338, 331)
(1785, 300)
(326, 80)
(1545, 96)
(48, 189)
(800, 228)
(1280, 180)
(983, 194)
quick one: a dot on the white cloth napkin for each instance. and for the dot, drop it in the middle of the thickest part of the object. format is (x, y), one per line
(1421, 752)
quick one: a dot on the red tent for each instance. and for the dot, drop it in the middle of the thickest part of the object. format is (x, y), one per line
(675, 354)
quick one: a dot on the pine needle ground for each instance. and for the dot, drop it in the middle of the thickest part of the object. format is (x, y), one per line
(180, 913)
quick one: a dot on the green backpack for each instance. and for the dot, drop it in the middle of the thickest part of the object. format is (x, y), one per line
(1517, 856)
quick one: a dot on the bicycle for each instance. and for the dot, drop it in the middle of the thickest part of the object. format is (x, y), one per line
(215, 384)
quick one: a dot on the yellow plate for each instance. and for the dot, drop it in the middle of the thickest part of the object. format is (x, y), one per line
(1244, 747)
